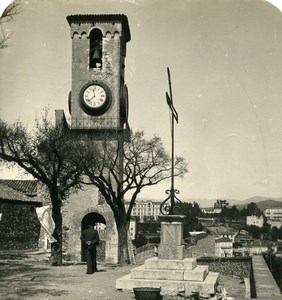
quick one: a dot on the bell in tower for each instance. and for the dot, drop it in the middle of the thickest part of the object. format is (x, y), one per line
(95, 45)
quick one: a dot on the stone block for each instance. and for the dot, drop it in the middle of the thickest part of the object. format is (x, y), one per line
(170, 252)
(208, 286)
(168, 287)
(171, 287)
(183, 264)
(156, 274)
(197, 274)
(172, 233)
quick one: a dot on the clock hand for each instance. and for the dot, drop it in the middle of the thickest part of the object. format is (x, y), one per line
(93, 96)
(93, 90)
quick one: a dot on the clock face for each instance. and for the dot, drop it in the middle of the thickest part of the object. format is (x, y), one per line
(94, 96)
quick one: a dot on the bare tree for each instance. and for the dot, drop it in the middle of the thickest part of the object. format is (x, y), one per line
(145, 163)
(59, 160)
(49, 156)
(8, 15)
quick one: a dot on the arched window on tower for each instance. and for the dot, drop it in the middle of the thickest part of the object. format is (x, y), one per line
(95, 43)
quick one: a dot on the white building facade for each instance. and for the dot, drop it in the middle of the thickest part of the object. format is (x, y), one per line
(255, 220)
(274, 213)
(211, 210)
(223, 247)
(145, 208)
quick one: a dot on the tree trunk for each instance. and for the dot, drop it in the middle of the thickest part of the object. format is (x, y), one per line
(123, 255)
(56, 258)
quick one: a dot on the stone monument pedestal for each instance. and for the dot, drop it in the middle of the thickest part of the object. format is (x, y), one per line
(170, 271)
(172, 244)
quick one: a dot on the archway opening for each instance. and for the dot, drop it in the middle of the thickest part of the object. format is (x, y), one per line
(101, 227)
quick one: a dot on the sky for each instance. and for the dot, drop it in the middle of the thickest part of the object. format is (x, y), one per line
(225, 60)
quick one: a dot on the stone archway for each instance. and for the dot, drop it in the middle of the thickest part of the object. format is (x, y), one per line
(101, 227)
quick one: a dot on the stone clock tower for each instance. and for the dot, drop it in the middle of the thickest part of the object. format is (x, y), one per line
(98, 106)
(98, 100)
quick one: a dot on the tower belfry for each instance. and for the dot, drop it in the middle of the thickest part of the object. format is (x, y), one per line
(99, 98)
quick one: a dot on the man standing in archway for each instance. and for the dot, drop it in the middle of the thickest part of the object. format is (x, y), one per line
(90, 239)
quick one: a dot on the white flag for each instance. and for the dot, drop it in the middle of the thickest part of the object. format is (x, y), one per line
(44, 215)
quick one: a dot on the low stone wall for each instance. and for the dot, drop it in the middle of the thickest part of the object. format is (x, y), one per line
(142, 256)
(263, 281)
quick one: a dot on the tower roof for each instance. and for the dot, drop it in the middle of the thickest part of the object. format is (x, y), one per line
(103, 18)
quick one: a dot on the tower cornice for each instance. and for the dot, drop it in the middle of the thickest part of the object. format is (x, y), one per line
(103, 18)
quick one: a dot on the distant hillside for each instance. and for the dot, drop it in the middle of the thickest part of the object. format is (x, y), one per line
(257, 199)
(202, 202)
(262, 205)
(269, 204)
(262, 202)
(209, 202)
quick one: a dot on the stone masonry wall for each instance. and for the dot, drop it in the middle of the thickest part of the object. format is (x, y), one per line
(78, 207)
(19, 226)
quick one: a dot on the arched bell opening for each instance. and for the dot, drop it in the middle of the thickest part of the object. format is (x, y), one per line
(96, 48)
(101, 228)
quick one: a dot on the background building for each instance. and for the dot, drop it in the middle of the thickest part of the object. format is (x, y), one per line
(145, 208)
(223, 247)
(133, 227)
(273, 213)
(211, 210)
(255, 220)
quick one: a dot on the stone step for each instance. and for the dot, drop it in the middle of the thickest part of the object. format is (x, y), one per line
(208, 286)
(170, 287)
(165, 264)
(159, 274)
(198, 274)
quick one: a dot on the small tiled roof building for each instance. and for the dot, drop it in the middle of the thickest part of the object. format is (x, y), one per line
(19, 225)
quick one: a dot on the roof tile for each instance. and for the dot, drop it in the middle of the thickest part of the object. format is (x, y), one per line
(21, 190)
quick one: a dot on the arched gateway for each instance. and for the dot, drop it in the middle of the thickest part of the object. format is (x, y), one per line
(77, 211)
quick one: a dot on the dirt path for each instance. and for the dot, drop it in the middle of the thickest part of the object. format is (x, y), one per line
(37, 280)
